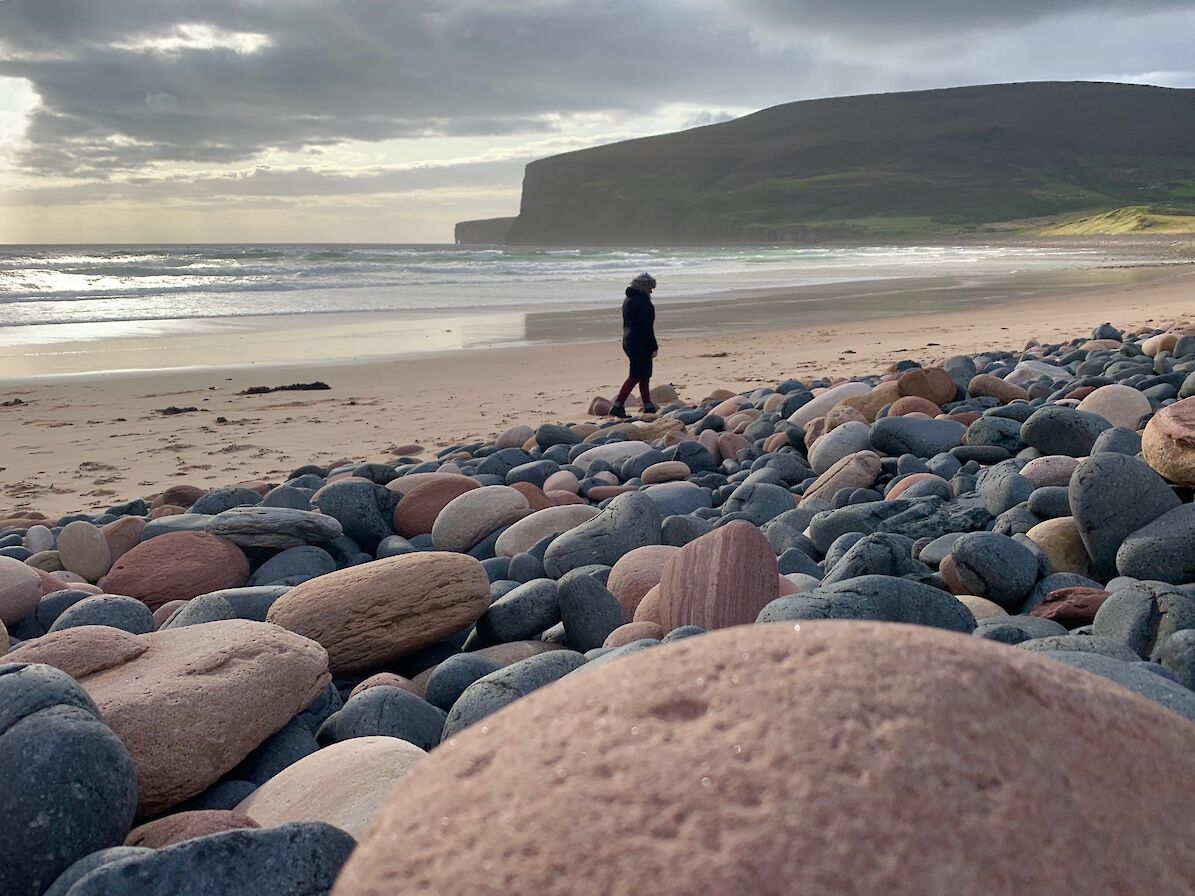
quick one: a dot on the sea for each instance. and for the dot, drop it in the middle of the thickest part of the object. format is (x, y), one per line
(74, 285)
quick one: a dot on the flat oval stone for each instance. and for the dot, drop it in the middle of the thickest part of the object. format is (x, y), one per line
(522, 613)
(985, 384)
(1120, 405)
(470, 517)
(492, 692)
(177, 699)
(673, 727)
(273, 527)
(514, 437)
(1071, 607)
(1055, 429)
(1050, 471)
(293, 567)
(177, 566)
(630, 521)
(895, 436)
(451, 678)
(874, 597)
(117, 611)
(858, 470)
(527, 532)
(822, 403)
(417, 511)
(665, 471)
(632, 632)
(502, 654)
(343, 784)
(838, 443)
(368, 615)
(386, 712)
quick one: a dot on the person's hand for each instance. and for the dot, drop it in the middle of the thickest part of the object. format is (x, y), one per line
(656, 353)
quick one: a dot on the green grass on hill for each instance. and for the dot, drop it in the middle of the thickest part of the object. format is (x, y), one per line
(1132, 219)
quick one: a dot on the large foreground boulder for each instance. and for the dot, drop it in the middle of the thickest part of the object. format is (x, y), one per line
(782, 759)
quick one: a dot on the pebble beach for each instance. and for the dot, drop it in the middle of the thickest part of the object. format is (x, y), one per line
(900, 605)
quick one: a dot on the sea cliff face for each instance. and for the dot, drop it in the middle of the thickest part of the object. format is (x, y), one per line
(485, 232)
(897, 166)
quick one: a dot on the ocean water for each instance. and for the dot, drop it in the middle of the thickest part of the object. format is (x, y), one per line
(75, 285)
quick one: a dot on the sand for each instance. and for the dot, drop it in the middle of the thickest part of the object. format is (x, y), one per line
(82, 444)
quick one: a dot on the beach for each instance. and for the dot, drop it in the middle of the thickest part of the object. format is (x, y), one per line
(285, 597)
(98, 435)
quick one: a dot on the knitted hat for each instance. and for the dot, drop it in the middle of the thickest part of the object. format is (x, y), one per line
(644, 279)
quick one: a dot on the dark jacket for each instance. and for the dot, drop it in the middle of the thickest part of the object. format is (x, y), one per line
(638, 323)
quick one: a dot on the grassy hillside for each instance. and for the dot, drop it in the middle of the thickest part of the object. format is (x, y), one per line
(909, 165)
(1135, 219)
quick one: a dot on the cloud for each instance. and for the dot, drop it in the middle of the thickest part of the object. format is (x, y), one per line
(257, 75)
(897, 20)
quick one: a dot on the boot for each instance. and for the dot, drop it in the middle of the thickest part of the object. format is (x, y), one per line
(617, 410)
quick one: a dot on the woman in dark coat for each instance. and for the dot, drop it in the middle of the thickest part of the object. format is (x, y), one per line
(638, 342)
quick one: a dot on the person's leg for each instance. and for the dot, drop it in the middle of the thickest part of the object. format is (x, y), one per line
(625, 390)
(645, 391)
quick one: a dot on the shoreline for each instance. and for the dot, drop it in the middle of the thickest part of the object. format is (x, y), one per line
(77, 445)
(48, 353)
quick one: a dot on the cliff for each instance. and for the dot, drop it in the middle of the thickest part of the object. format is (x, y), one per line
(486, 232)
(897, 166)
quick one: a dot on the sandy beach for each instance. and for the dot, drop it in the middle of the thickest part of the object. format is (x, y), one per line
(84, 442)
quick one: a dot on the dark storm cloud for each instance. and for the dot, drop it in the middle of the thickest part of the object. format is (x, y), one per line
(881, 20)
(126, 83)
(340, 70)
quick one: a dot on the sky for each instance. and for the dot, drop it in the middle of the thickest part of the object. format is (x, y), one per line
(390, 120)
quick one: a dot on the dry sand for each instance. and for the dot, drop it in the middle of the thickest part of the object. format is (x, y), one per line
(81, 445)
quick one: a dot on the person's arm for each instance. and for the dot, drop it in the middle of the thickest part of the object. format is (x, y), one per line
(650, 322)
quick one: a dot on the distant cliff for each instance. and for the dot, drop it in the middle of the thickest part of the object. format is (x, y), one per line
(903, 165)
(487, 232)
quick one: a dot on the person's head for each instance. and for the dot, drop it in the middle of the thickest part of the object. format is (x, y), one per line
(645, 282)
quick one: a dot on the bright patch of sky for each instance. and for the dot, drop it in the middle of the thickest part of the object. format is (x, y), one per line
(195, 36)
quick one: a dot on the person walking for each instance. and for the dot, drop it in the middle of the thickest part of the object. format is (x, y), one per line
(638, 342)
